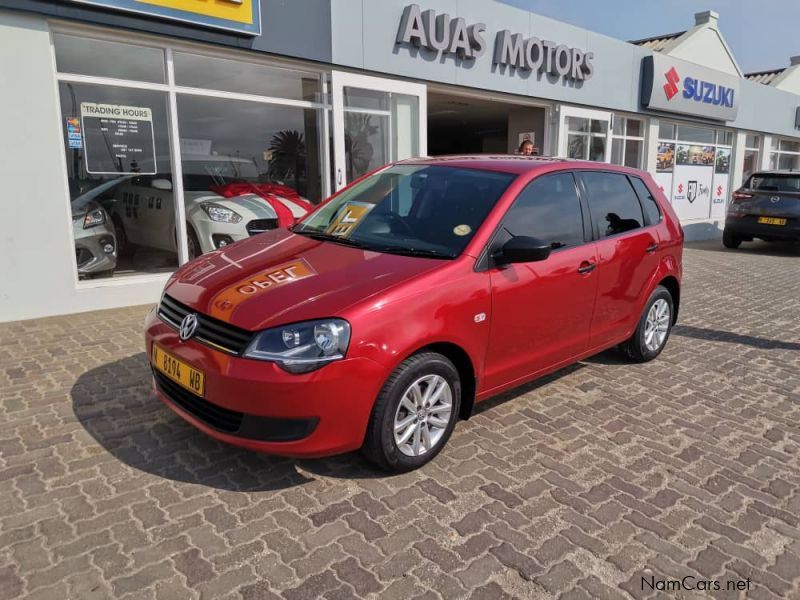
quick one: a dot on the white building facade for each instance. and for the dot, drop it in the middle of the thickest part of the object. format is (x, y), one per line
(138, 136)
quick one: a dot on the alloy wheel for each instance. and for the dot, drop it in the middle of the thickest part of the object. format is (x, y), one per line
(656, 326)
(423, 415)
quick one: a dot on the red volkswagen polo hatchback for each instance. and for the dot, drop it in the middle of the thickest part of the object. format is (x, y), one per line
(429, 285)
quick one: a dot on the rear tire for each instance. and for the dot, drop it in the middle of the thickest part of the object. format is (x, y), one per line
(420, 402)
(654, 327)
(730, 240)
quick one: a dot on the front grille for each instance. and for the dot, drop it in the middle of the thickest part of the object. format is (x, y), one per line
(263, 429)
(82, 256)
(212, 332)
(217, 417)
(261, 225)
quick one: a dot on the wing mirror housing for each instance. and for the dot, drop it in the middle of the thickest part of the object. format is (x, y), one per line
(162, 184)
(522, 249)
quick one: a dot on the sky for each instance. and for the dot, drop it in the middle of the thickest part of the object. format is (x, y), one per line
(762, 34)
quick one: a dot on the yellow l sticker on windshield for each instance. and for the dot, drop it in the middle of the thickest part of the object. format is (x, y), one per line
(350, 215)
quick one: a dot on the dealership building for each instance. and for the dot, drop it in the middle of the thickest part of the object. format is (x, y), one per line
(141, 133)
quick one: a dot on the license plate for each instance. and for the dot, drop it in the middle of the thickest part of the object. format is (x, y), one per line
(192, 379)
(771, 221)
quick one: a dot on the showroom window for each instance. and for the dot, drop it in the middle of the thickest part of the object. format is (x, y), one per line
(627, 145)
(693, 168)
(785, 154)
(752, 154)
(586, 138)
(245, 140)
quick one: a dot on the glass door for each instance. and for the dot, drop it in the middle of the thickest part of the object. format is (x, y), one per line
(584, 134)
(375, 121)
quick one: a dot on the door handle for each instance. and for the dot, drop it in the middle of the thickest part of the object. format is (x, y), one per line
(338, 177)
(651, 248)
(586, 267)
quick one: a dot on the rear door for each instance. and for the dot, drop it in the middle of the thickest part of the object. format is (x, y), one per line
(541, 311)
(628, 254)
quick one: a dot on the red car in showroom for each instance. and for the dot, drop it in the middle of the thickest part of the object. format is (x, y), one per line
(421, 289)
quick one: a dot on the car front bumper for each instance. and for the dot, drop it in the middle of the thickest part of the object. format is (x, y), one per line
(749, 227)
(90, 253)
(257, 405)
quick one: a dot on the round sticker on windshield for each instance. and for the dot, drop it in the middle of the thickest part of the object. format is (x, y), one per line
(462, 229)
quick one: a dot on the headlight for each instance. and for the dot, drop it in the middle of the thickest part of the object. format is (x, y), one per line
(221, 214)
(94, 218)
(302, 347)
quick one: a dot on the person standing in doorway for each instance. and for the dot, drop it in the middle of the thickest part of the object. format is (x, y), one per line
(526, 148)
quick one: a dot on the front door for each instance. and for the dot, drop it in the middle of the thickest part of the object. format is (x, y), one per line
(542, 311)
(375, 121)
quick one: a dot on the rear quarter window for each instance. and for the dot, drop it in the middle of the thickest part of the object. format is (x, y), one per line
(652, 214)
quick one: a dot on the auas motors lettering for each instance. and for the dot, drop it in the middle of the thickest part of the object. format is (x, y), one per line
(707, 92)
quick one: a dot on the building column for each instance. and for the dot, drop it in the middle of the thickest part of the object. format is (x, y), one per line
(763, 155)
(737, 164)
(651, 146)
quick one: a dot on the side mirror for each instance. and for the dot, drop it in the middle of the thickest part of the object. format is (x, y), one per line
(523, 249)
(162, 184)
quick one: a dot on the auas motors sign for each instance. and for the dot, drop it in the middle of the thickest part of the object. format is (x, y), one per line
(447, 35)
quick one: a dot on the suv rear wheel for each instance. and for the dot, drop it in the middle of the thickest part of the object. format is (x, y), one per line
(730, 240)
(654, 327)
(415, 413)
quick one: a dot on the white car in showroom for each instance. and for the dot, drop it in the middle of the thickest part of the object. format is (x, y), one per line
(224, 203)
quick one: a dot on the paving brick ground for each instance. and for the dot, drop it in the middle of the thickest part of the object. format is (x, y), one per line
(576, 486)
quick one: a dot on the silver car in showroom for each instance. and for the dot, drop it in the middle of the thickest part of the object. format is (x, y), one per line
(93, 230)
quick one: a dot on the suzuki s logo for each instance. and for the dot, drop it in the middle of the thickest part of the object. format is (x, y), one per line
(188, 327)
(671, 87)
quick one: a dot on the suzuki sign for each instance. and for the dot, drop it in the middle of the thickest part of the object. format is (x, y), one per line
(679, 86)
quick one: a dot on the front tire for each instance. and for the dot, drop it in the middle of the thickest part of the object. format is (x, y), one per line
(730, 240)
(414, 414)
(654, 327)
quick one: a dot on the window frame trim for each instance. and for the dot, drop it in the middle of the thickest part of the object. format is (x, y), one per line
(485, 262)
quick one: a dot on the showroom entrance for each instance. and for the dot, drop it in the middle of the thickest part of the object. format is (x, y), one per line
(482, 123)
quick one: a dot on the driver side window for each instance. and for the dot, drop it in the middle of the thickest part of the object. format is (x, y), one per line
(548, 209)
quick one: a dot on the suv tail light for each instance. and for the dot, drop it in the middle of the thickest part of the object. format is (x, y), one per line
(739, 196)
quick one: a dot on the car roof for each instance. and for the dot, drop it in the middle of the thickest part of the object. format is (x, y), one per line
(514, 163)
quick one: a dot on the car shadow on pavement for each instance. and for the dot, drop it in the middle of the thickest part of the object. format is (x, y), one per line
(516, 392)
(116, 405)
(717, 335)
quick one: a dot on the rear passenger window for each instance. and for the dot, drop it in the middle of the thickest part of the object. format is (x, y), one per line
(614, 205)
(651, 212)
(548, 209)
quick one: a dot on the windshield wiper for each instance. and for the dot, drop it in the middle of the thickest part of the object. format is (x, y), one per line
(409, 251)
(327, 237)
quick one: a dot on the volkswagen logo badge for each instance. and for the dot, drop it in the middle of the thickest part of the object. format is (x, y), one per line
(775, 199)
(188, 326)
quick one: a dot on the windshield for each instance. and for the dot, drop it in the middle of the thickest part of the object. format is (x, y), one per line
(770, 182)
(202, 175)
(411, 209)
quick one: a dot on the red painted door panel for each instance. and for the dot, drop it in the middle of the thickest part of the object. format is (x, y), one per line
(541, 314)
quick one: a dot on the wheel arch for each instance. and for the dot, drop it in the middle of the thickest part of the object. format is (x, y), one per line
(674, 289)
(465, 367)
